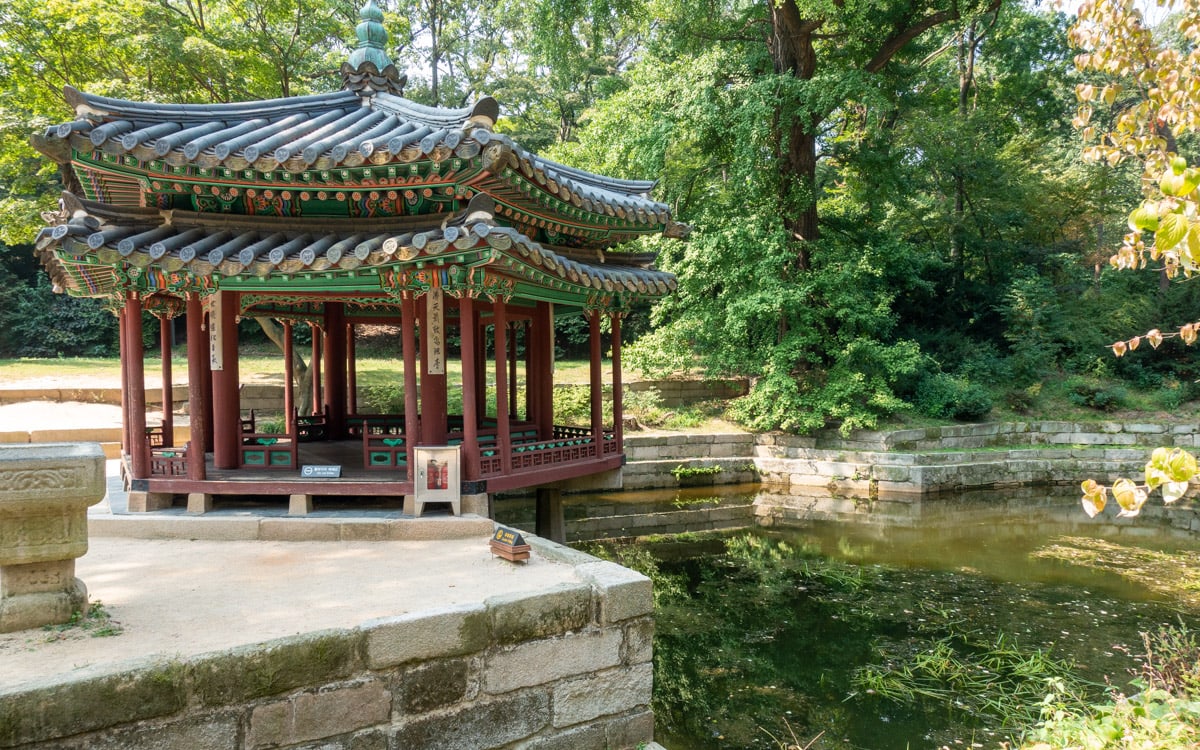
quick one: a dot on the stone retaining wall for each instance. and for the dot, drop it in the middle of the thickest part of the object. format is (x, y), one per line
(673, 393)
(565, 668)
(85, 395)
(957, 457)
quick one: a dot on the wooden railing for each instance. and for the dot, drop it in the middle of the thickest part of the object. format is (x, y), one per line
(169, 462)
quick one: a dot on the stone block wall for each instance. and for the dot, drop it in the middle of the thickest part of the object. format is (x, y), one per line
(564, 668)
(956, 457)
(684, 392)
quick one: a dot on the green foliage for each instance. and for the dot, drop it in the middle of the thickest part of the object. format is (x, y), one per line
(45, 324)
(95, 621)
(1083, 391)
(688, 472)
(946, 397)
(382, 398)
(1000, 680)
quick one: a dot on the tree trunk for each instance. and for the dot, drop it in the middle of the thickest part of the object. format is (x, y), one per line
(300, 370)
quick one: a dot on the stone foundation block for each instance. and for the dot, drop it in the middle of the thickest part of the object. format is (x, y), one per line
(523, 617)
(634, 730)
(144, 502)
(300, 505)
(83, 703)
(492, 724)
(452, 631)
(433, 685)
(612, 692)
(623, 593)
(326, 713)
(199, 502)
(540, 662)
(266, 669)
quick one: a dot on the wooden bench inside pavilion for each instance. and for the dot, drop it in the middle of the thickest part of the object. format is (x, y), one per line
(336, 210)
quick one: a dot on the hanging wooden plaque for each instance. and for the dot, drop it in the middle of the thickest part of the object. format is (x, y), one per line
(435, 338)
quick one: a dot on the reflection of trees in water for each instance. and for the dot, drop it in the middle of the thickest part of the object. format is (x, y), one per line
(771, 628)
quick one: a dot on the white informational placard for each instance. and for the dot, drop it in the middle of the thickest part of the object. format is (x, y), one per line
(437, 477)
(216, 351)
(435, 336)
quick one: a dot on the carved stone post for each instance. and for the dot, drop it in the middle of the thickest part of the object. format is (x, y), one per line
(45, 491)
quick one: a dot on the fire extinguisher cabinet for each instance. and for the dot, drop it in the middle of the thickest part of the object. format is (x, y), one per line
(437, 477)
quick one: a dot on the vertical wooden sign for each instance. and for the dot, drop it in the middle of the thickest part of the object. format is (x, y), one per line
(435, 339)
(216, 353)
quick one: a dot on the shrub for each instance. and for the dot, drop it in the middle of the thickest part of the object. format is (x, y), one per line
(1022, 400)
(942, 396)
(1095, 395)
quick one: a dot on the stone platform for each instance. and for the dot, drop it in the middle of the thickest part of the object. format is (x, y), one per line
(394, 632)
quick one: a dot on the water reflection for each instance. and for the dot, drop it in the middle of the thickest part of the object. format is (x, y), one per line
(766, 632)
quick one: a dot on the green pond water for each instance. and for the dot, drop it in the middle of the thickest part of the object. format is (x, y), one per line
(979, 606)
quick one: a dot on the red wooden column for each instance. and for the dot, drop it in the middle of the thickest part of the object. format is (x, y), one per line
(544, 326)
(408, 343)
(289, 373)
(315, 367)
(480, 363)
(466, 332)
(123, 334)
(168, 395)
(197, 356)
(512, 371)
(597, 384)
(351, 371)
(503, 432)
(227, 411)
(206, 324)
(335, 369)
(529, 375)
(618, 385)
(433, 386)
(138, 452)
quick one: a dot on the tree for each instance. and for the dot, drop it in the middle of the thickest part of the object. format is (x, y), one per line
(1145, 90)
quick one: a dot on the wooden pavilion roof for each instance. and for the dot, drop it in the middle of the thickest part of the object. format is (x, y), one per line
(356, 190)
(95, 249)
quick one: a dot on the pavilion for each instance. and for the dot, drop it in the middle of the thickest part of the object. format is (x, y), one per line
(332, 211)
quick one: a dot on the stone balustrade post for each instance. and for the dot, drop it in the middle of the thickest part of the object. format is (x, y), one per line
(45, 491)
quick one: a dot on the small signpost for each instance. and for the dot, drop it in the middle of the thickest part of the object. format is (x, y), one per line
(316, 471)
(509, 544)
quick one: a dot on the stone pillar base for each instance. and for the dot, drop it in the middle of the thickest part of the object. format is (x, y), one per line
(410, 505)
(479, 505)
(24, 611)
(142, 502)
(199, 502)
(300, 505)
(549, 520)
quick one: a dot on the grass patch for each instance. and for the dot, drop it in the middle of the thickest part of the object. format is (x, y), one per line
(96, 622)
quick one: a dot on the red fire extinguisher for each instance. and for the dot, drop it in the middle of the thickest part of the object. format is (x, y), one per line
(433, 475)
(445, 478)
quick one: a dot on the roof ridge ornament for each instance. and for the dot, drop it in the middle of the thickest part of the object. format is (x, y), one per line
(369, 69)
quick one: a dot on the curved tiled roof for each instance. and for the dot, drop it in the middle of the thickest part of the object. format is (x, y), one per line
(208, 246)
(337, 130)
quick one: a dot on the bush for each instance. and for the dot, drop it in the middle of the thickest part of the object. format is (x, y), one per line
(942, 396)
(1022, 400)
(1095, 395)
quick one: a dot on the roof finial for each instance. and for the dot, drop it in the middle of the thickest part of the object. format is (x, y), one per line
(372, 38)
(369, 68)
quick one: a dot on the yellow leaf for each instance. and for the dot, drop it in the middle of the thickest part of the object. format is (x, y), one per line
(1188, 334)
(1129, 496)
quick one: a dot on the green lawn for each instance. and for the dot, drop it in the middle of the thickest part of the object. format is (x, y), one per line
(253, 366)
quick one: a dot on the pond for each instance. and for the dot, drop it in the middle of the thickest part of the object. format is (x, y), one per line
(940, 623)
